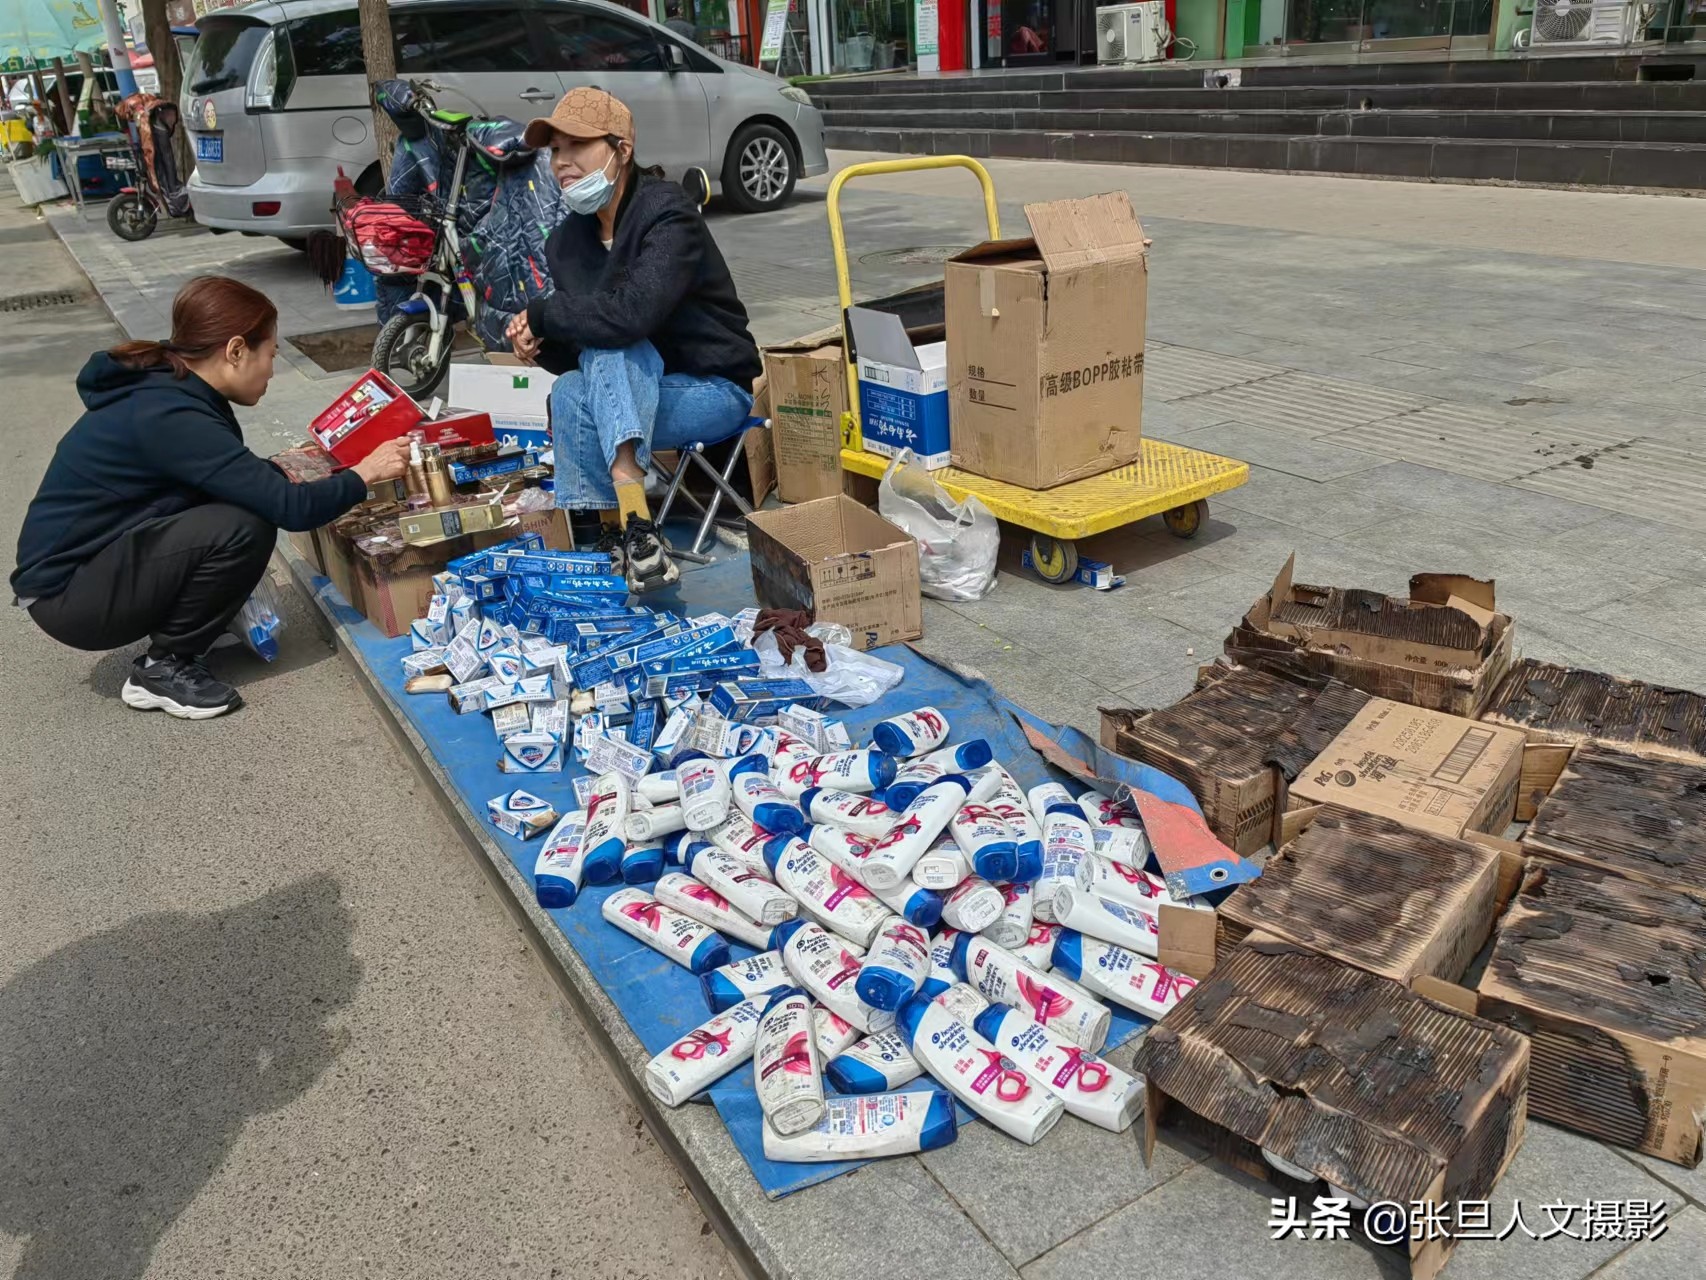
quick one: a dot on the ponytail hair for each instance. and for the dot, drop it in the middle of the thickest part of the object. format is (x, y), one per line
(208, 312)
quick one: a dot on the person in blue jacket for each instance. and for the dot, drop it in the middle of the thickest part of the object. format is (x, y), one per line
(153, 518)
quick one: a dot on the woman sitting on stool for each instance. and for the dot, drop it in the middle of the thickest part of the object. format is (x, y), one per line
(153, 518)
(644, 329)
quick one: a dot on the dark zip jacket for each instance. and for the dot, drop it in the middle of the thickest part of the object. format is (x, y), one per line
(152, 445)
(662, 278)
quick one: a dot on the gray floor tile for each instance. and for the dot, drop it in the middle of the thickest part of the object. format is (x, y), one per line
(1687, 1184)
(1674, 613)
(1092, 1174)
(1676, 1255)
(1487, 393)
(1151, 558)
(1282, 451)
(1552, 1167)
(1242, 541)
(1163, 690)
(1168, 421)
(1308, 505)
(1303, 404)
(1632, 542)
(1495, 509)
(922, 1232)
(1498, 366)
(1207, 1222)
(1331, 362)
(1212, 607)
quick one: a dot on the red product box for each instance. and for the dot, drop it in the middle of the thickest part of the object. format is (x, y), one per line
(456, 429)
(372, 411)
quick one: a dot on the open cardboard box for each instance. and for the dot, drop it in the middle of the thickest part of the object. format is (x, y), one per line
(840, 562)
(1600, 972)
(1444, 648)
(1255, 1060)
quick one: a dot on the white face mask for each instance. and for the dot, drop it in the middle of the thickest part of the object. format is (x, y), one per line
(591, 193)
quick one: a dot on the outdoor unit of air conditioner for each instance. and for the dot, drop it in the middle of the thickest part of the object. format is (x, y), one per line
(1566, 22)
(1131, 32)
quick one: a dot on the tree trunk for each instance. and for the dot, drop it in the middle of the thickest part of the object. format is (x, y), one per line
(157, 31)
(380, 56)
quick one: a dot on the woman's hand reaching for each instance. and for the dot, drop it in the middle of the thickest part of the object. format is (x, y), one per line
(388, 462)
(521, 339)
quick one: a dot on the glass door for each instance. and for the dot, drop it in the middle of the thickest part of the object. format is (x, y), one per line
(1375, 26)
(1027, 31)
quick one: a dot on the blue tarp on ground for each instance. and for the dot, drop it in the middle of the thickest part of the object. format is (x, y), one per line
(661, 1001)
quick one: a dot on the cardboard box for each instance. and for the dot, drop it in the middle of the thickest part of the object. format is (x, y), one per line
(1445, 648)
(1602, 975)
(1437, 773)
(1352, 1077)
(1560, 708)
(1045, 345)
(903, 389)
(841, 563)
(1216, 741)
(1634, 816)
(807, 386)
(1377, 894)
(516, 395)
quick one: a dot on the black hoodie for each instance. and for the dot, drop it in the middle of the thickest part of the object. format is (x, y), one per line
(152, 445)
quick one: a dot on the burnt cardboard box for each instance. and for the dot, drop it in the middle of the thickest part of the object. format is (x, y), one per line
(1602, 974)
(1045, 345)
(1560, 708)
(1346, 1074)
(1631, 815)
(1428, 770)
(841, 563)
(1216, 741)
(1445, 647)
(1374, 893)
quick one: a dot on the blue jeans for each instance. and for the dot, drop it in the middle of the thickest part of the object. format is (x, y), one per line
(622, 395)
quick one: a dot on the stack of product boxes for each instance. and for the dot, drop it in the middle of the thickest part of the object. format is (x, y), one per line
(546, 644)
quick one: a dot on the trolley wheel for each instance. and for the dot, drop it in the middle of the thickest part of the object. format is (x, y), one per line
(1055, 560)
(130, 217)
(400, 353)
(1186, 521)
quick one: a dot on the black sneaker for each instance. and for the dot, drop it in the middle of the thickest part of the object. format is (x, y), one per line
(180, 687)
(610, 542)
(648, 562)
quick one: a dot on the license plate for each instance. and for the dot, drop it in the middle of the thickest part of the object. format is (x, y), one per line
(118, 162)
(210, 147)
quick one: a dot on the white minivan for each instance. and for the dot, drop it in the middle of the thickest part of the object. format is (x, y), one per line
(275, 99)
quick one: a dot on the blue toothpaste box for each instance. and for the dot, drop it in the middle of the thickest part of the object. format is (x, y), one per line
(759, 701)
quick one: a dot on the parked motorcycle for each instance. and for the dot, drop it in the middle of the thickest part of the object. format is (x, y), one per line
(158, 190)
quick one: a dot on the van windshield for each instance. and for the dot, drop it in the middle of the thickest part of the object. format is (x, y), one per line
(224, 53)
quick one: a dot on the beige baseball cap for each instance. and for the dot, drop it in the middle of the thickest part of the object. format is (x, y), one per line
(582, 113)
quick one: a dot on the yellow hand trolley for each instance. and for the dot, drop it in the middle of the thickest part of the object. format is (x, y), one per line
(1168, 480)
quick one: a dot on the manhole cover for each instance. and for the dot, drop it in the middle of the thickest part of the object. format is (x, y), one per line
(36, 301)
(924, 255)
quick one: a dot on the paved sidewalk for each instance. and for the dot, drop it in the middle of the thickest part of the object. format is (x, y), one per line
(261, 1013)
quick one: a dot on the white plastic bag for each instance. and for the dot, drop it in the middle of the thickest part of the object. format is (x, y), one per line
(852, 678)
(957, 542)
(258, 623)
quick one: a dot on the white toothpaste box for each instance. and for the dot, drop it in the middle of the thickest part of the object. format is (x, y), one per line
(521, 813)
(423, 662)
(471, 696)
(514, 717)
(531, 753)
(552, 718)
(808, 726)
(530, 689)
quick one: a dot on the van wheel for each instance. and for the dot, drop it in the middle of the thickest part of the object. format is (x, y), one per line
(759, 169)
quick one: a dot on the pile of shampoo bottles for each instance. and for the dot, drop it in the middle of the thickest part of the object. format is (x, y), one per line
(926, 930)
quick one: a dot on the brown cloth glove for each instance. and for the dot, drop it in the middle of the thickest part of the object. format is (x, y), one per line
(790, 628)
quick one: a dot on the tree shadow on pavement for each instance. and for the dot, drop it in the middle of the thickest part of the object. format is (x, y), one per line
(130, 1061)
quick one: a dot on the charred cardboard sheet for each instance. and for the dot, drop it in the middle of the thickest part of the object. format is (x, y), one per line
(1444, 647)
(1349, 1075)
(1560, 708)
(1374, 893)
(1604, 975)
(1633, 815)
(1216, 740)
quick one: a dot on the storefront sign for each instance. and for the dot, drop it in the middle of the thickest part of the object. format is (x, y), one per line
(924, 22)
(775, 22)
